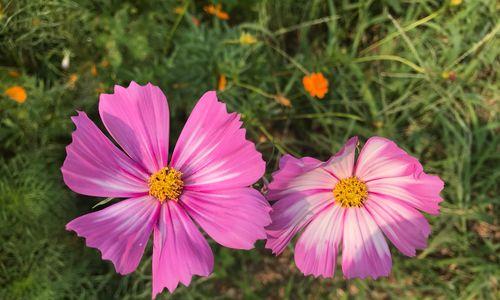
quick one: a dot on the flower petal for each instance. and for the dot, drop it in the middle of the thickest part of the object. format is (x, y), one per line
(138, 119)
(406, 227)
(301, 188)
(234, 218)
(120, 231)
(317, 248)
(382, 158)
(212, 152)
(289, 168)
(318, 179)
(95, 167)
(180, 251)
(292, 213)
(419, 190)
(342, 164)
(365, 252)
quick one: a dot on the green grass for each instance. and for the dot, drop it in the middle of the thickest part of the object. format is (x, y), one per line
(384, 61)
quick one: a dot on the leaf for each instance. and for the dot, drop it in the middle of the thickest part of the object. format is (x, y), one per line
(103, 202)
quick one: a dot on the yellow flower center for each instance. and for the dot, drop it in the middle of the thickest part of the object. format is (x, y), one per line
(350, 192)
(166, 184)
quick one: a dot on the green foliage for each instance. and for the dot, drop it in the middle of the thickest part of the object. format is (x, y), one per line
(388, 64)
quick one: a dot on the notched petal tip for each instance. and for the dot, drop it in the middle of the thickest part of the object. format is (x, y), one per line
(104, 231)
(213, 151)
(353, 140)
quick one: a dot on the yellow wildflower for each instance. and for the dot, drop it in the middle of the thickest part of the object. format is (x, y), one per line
(179, 10)
(247, 39)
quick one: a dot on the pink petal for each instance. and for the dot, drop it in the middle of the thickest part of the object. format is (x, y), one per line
(292, 213)
(382, 158)
(418, 190)
(289, 168)
(138, 119)
(234, 218)
(95, 167)
(318, 179)
(316, 249)
(301, 188)
(212, 152)
(404, 226)
(120, 231)
(365, 252)
(179, 251)
(342, 163)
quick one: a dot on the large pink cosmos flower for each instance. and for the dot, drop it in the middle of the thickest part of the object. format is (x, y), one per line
(353, 203)
(207, 180)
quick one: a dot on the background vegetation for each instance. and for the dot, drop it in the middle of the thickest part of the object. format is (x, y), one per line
(423, 73)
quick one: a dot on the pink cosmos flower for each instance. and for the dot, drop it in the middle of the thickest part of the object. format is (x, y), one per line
(353, 203)
(206, 181)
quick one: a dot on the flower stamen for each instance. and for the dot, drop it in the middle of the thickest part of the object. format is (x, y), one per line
(350, 192)
(166, 184)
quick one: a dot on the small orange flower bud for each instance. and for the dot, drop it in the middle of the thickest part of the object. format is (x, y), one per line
(73, 78)
(283, 100)
(14, 73)
(93, 70)
(104, 63)
(450, 75)
(222, 83)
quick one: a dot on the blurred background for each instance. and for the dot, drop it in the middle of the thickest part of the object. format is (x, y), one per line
(423, 73)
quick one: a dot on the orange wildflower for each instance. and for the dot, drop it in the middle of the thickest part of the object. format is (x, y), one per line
(16, 93)
(316, 85)
(14, 73)
(222, 82)
(217, 11)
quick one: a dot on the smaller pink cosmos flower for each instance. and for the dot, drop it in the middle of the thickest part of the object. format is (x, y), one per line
(354, 204)
(206, 181)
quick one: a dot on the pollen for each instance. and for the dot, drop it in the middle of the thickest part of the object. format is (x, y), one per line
(350, 192)
(166, 184)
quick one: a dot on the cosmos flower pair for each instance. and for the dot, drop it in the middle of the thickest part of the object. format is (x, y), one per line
(207, 182)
